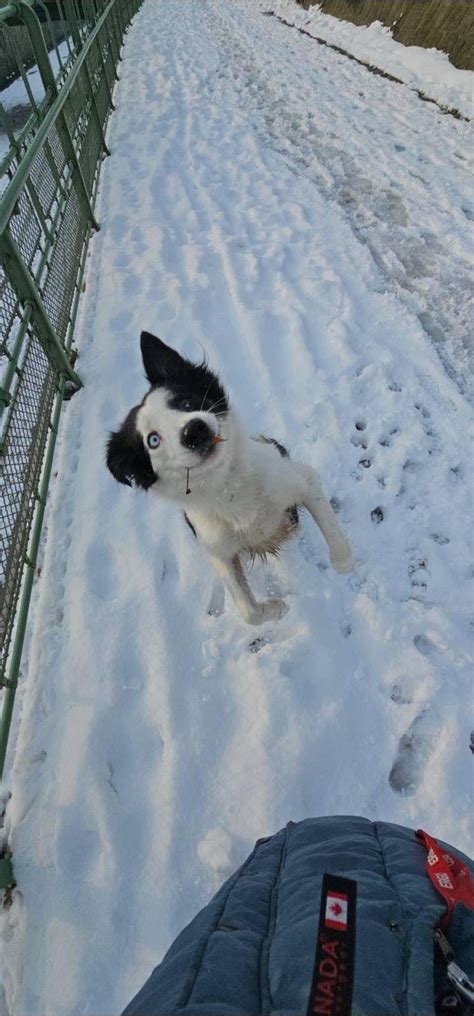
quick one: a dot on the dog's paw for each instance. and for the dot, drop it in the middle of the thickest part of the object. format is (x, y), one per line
(270, 610)
(343, 563)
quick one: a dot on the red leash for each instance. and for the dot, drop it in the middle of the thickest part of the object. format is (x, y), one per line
(452, 879)
(455, 884)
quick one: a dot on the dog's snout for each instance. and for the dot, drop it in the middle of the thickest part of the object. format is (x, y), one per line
(196, 434)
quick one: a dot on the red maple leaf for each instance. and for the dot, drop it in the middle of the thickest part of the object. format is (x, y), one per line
(336, 909)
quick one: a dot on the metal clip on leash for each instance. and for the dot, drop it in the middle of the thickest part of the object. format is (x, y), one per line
(459, 980)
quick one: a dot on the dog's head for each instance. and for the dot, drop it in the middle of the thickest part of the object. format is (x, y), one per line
(177, 427)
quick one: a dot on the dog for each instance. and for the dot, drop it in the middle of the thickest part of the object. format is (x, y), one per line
(240, 494)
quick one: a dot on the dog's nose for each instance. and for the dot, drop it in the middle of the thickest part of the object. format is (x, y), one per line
(196, 434)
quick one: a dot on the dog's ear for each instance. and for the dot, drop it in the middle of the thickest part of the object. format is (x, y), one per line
(160, 361)
(127, 458)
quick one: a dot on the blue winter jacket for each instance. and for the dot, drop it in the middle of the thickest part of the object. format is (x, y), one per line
(251, 950)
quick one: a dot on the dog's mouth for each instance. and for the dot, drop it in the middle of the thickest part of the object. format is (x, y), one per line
(214, 442)
(207, 450)
(205, 453)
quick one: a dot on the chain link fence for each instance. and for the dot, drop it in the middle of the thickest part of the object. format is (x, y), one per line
(48, 182)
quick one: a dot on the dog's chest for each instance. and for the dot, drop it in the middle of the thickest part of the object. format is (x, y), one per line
(226, 535)
(251, 512)
(269, 542)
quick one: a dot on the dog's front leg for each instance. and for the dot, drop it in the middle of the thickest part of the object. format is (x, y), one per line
(232, 574)
(314, 500)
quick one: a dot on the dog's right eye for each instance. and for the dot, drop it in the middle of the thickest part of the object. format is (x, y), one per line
(185, 406)
(153, 440)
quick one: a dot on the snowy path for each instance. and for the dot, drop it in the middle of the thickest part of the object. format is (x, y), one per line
(295, 215)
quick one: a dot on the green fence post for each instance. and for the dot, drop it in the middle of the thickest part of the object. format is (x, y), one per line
(95, 108)
(33, 24)
(113, 35)
(82, 192)
(104, 68)
(25, 287)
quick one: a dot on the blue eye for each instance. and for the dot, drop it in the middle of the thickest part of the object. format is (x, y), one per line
(153, 440)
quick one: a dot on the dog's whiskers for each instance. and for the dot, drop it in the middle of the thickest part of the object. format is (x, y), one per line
(212, 408)
(205, 394)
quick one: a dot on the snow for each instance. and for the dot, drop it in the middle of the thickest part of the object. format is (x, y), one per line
(428, 70)
(299, 218)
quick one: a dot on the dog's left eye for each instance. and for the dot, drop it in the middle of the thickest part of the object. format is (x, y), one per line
(153, 440)
(185, 406)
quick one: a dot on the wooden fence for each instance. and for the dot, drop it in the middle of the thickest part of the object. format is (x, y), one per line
(443, 24)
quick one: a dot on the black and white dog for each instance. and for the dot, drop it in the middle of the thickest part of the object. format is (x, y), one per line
(241, 494)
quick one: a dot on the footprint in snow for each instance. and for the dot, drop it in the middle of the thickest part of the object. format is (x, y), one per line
(217, 601)
(257, 644)
(274, 637)
(418, 575)
(377, 515)
(401, 694)
(309, 552)
(415, 749)
(360, 439)
(427, 647)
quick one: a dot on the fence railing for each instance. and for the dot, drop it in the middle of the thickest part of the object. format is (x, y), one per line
(48, 185)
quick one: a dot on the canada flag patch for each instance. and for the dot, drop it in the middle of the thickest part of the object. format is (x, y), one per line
(336, 911)
(333, 971)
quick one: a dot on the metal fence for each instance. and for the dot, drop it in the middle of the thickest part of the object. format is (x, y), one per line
(48, 184)
(17, 42)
